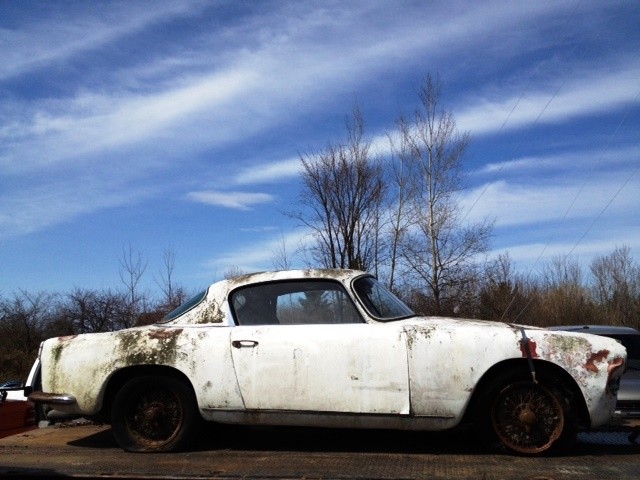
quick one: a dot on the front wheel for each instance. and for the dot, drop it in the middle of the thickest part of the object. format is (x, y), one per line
(527, 417)
(154, 414)
(521, 416)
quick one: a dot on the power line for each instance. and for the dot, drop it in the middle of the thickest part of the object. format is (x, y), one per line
(624, 184)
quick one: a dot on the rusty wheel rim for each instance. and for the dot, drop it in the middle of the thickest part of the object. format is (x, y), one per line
(155, 417)
(527, 417)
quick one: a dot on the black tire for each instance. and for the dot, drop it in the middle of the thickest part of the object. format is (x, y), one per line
(525, 417)
(154, 414)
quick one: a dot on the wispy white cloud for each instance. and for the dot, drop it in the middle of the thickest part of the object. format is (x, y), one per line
(578, 94)
(55, 33)
(95, 121)
(262, 253)
(579, 100)
(587, 161)
(91, 125)
(32, 208)
(552, 199)
(532, 257)
(263, 229)
(235, 200)
(269, 172)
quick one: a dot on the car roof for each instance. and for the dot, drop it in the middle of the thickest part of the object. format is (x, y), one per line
(190, 311)
(296, 274)
(597, 329)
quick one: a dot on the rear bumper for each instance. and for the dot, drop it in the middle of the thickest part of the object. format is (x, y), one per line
(626, 414)
(623, 421)
(52, 398)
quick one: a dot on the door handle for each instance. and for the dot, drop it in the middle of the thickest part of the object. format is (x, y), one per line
(244, 343)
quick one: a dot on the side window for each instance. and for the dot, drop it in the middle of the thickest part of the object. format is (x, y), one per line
(254, 306)
(294, 303)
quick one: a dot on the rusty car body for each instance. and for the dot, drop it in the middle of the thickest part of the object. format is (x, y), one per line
(330, 348)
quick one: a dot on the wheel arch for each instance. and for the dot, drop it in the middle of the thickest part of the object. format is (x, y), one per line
(519, 368)
(122, 376)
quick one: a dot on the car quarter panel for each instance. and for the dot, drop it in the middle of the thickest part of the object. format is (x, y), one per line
(82, 365)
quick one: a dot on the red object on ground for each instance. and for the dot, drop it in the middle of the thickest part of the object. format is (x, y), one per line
(16, 416)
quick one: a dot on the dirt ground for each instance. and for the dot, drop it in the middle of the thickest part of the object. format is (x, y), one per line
(89, 451)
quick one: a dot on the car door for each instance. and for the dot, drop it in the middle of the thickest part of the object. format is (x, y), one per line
(325, 368)
(321, 367)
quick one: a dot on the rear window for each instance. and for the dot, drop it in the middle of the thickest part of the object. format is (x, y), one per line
(185, 307)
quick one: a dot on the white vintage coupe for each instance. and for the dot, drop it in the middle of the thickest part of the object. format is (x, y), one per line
(330, 348)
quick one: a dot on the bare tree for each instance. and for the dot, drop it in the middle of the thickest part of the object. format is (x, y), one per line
(23, 325)
(438, 250)
(233, 272)
(343, 188)
(616, 287)
(500, 296)
(173, 295)
(564, 298)
(401, 186)
(91, 311)
(281, 259)
(132, 268)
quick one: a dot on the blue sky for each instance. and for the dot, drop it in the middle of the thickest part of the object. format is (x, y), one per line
(177, 125)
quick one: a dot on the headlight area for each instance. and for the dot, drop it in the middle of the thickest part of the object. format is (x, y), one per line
(616, 368)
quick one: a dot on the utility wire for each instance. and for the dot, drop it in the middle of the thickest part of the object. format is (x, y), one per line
(578, 193)
(597, 217)
(624, 184)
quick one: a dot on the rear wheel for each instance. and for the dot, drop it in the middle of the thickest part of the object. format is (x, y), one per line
(154, 414)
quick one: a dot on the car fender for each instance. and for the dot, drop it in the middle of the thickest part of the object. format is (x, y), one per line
(81, 366)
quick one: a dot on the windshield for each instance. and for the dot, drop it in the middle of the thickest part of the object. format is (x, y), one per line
(185, 307)
(380, 302)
